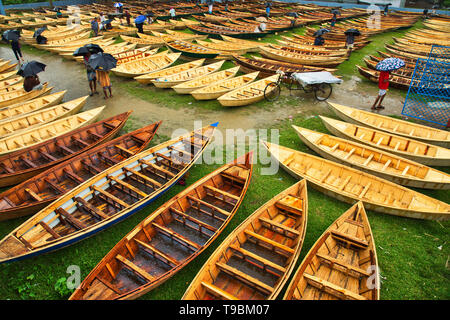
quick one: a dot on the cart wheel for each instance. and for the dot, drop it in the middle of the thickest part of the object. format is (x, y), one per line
(323, 91)
(272, 91)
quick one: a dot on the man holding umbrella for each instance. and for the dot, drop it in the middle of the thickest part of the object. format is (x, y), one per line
(102, 63)
(29, 72)
(13, 36)
(319, 40)
(350, 39)
(86, 52)
(385, 67)
(139, 22)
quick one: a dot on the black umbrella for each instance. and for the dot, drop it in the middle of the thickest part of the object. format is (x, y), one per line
(94, 48)
(320, 32)
(31, 68)
(107, 21)
(82, 51)
(39, 31)
(102, 61)
(9, 35)
(335, 11)
(355, 32)
(292, 14)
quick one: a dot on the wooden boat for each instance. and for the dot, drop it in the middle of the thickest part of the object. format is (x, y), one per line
(20, 109)
(18, 86)
(8, 83)
(47, 131)
(268, 67)
(191, 50)
(66, 41)
(409, 148)
(177, 78)
(189, 22)
(374, 161)
(171, 237)
(18, 96)
(292, 57)
(248, 94)
(223, 47)
(402, 72)
(310, 51)
(6, 66)
(115, 49)
(144, 41)
(217, 89)
(394, 81)
(146, 78)
(71, 48)
(341, 263)
(171, 35)
(256, 259)
(146, 65)
(351, 185)
(107, 198)
(57, 180)
(4, 75)
(203, 81)
(133, 55)
(235, 46)
(392, 125)
(29, 121)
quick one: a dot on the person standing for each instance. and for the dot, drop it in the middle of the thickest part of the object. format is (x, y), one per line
(386, 9)
(319, 41)
(349, 42)
(333, 20)
(383, 85)
(225, 2)
(128, 17)
(94, 26)
(268, 6)
(15, 46)
(210, 6)
(105, 82)
(172, 12)
(91, 75)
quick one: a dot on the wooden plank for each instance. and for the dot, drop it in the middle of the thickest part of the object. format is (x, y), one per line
(124, 150)
(64, 148)
(256, 257)
(143, 176)
(110, 196)
(251, 281)
(226, 213)
(47, 228)
(362, 243)
(196, 221)
(166, 257)
(156, 167)
(28, 162)
(71, 175)
(54, 186)
(137, 270)
(217, 291)
(109, 285)
(72, 220)
(129, 186)
(176, 236)
(269, 241)
(224, 193)
(280, 226)
(90, 208)
(343, 264)
(331, 288)
(47, 155)
(33, 194)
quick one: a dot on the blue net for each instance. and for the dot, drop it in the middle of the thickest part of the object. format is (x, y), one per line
(428, 95)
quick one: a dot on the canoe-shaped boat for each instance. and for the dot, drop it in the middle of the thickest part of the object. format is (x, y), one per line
(236, 46)
(66, 41)
(18, 86)
(268, 67)
(22, 124)
(177, 78)
(18, 96)
(415, 150)
(217, 89)
(351, 185)
(248, 94)
(313, 51)
(8, 83)
(20, 109)
(114, 49)
(7, 75)
(41, 189)
(171, 237)
(146, 65)
(7, 66)
(256, 259)
(200, 82)
(146, 78)
(342, 264)
(71, 48)
(375, 161)
(192, 50)
(402, 72)
(396, 126)
(292, 57)
(133, 55)
(107, 198)
(394, 81)
(171, 35)
(21, 165)
(223, 47)
(144, 41)
(47, 131)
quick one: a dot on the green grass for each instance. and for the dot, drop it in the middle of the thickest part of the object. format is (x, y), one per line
(412, 253)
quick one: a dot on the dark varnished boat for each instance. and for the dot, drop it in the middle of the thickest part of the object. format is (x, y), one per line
(107, 198)
(21, 165)
(192, 50)
(35, 193)
(171, 237)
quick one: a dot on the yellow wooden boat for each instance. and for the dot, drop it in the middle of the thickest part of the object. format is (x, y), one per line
(202, 81)
(171, 35)
(24, 123)
(144, 41)
(114, 49)
(415, 150)
(133, 55)
(217, 89)
(146, 65)
(146, 78)
(8, 83)
(231, 46)
(19, 109)
(177, 78)
(4, 75)
(396, 126)
(248, 94)
(309, 60)
(223, 48)
(6, 67)
(375, 161)
(66, 41)
(10, 98)
(256, 259)
(342, 264)
(351, 185)
(48, 131)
